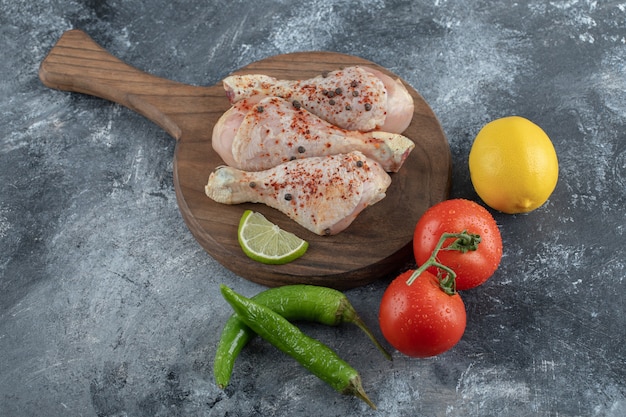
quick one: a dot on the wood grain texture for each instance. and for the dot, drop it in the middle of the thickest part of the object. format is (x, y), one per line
(377, 243)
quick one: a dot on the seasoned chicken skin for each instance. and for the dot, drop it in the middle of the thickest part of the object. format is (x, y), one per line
(323, 194)
(257, 136)
(353, 98)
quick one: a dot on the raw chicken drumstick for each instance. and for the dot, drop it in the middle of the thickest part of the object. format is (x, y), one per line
(257, 136)
(353, 98)
(323, 194)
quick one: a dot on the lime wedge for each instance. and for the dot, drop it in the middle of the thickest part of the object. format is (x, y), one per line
(265, 242)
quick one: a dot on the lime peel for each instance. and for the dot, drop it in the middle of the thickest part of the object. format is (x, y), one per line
(265, 242)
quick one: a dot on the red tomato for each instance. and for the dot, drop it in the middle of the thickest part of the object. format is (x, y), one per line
(420, 319)
(454, 216)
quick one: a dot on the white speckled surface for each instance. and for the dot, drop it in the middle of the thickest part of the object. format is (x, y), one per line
(108, 306)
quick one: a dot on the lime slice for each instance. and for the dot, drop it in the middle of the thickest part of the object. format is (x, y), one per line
(265, 242)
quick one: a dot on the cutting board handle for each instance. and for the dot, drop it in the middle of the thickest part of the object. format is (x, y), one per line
(78, 64)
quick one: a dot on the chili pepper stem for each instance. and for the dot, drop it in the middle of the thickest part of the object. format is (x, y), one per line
(356, 388)
(369, 334)
(350, 314)
(463, 243)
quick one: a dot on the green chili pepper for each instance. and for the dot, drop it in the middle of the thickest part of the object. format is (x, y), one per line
(313, 355)
(297, 302)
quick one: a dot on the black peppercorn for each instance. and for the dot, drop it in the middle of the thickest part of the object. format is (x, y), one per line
(260, 109)
(359, 163)
(338, 91)
(368, 107)
(355, 93)
(252, 184)
(296, 104)
(288, 197)
(301, 149)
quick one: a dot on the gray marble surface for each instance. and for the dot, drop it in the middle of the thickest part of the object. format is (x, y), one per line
(109, 307)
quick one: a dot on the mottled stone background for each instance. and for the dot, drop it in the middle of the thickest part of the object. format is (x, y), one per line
(109, 307)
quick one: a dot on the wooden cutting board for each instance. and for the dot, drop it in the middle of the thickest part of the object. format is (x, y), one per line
(378, 243)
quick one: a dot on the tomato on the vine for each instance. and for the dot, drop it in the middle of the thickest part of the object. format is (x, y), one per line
(472, 267)
(457, 246)
(420, 319)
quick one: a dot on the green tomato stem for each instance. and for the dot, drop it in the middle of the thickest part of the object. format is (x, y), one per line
(464, 242)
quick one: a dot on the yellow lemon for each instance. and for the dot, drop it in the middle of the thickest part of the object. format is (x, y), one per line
(513, 165)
